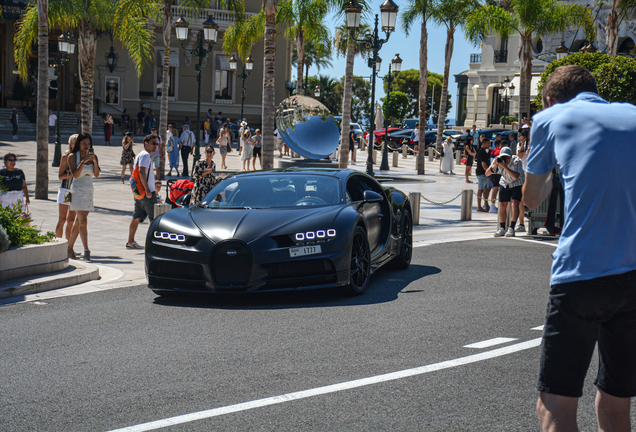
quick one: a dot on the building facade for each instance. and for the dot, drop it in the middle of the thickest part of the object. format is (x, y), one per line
(121, 88)
(484, 103)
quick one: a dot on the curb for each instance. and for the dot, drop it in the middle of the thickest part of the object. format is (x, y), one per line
(76, 273)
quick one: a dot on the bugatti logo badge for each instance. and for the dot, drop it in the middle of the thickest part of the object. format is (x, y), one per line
(231, 252)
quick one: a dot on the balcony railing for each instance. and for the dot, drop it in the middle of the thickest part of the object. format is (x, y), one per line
(501, 56)
(475, 58)
(222, 17)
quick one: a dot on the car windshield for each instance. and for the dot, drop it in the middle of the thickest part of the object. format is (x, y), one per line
(273, 191)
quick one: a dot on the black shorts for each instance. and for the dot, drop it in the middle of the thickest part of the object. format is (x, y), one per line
(505, 194)
(579, 315)
(145, 207)
(256, 151)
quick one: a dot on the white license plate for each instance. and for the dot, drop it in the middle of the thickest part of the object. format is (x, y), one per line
(305, 250)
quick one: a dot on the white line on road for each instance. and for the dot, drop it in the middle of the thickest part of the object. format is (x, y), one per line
(186, 418)
(537, 328)
(490, 342)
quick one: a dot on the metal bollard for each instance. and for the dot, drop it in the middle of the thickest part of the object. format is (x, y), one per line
(375, 156)
(458, 157)
(405, 150)
(431, 152)
(161, 209)
(414, 199)
(395, 159)
(466, 212)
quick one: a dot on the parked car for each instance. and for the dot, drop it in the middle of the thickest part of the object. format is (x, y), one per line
(410, 123)
(490, 133)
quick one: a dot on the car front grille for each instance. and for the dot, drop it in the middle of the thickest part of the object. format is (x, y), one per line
(296, 274)
(231, 263)
(176, 270)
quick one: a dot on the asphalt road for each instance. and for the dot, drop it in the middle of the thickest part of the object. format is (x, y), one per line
(123, 357)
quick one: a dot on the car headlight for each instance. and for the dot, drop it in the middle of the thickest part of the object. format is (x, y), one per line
(318, 235)
(162, 235)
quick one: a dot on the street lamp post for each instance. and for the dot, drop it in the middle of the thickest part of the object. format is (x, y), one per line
(66, 45)
(505, 87)
(397, 66)
(247, 69)
(207, 34)
(372, 42)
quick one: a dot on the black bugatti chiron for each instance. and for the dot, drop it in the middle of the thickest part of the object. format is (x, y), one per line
(286, 229)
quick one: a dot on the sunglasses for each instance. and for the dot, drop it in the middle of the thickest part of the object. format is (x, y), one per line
(209, 152)
(11, 160)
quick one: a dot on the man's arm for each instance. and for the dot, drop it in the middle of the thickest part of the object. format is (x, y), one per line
(536, 189)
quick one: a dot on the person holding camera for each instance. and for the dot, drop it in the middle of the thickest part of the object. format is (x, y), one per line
(523, 150)
(510, 184)
(84, 165)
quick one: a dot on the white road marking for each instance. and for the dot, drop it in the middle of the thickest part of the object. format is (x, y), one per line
(490, 342)
(215, 412)
(537, 328)
(531, 240)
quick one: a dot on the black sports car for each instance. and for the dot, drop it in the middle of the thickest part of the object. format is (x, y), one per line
(285, 229)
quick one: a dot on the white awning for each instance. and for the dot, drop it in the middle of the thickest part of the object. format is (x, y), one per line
(174, 57)
(533, 85)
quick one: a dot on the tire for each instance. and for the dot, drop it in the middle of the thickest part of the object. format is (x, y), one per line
(403, 260)
(360, 268)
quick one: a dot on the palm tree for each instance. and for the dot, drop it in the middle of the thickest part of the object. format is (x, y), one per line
(528, 17)
(620, 8)
(317, 53)
(418, 10)
(306, 22)
(452, 14)
(236, 7)
(345, 44)
(127, 20)
(270, 9)
(42, 162)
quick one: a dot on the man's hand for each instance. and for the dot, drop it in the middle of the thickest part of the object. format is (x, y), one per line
(148, 194)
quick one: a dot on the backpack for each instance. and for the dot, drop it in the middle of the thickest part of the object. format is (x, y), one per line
(180, 188)
(138, 189)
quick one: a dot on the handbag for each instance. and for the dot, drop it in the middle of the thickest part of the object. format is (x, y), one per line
(68, 196)
(464, 161)
(229, 148)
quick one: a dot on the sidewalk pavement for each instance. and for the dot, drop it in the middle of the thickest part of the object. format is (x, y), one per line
(108, 224)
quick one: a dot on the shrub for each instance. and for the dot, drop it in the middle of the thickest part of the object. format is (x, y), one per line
(508, 119)
(19, 230)
(615, 76)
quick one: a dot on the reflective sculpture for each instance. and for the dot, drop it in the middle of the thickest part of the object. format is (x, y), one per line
(307, 127)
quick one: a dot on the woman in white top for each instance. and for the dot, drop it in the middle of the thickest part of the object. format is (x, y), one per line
(523, 150)
(66, 215)
(84, 165)
(446, 164)
(246, 153)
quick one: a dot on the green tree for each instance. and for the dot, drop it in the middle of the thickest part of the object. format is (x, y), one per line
(305, 20)
(395, 107)
(528, 18)
(345, 44)
(127, 20)
(317, 53)
(415, 11)
(329, 94)
(452, 14)
(361, 95)
(408, 81)
(615, 76)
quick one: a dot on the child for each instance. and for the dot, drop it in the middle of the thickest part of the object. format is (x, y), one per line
(158, 190)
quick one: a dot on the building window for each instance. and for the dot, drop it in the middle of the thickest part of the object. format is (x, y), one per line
(171, 75)
(222, 78)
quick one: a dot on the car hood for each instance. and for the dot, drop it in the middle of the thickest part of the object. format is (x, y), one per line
(251, 224)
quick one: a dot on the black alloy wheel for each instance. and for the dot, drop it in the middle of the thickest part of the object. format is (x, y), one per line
(360, 262)
(403, 260)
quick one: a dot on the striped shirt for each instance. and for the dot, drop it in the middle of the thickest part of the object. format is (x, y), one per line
(515, 165)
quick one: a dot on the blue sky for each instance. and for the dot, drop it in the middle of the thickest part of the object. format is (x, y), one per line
(409, 50)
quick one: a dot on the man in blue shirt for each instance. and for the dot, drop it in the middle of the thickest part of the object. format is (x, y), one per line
(593, 281)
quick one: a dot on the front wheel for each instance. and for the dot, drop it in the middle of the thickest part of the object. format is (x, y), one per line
(360, 262)
(403, 260)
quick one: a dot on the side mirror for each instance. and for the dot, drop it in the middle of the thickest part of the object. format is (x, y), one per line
(183, 200)
(371, 196)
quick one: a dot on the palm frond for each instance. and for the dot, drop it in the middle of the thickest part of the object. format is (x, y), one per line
(243, 34)
(414, 11)
(25, 36)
